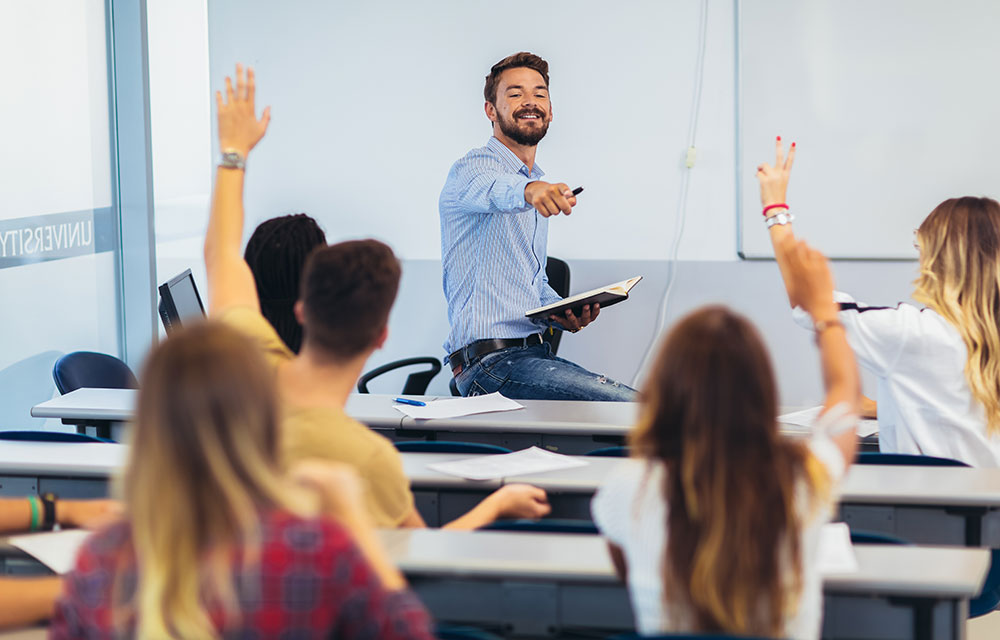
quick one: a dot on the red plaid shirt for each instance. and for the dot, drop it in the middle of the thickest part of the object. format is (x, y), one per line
(310, 582)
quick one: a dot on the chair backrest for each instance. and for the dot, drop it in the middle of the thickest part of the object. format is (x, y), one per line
(610, 452)
(683, 636)
(48, 436)
(860, 536)
(557, 271)
(546, 525)
(907, 459)
(416, 383)
(445, 446)
(95, 370)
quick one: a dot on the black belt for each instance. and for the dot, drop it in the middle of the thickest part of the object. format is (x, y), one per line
(473, 351)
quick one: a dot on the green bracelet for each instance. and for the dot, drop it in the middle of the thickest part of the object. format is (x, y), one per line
(35, 520)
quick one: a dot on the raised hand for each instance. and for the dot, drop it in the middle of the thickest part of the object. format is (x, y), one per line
(774, 180)
(809, 280)
(239, 128)
(550, 199)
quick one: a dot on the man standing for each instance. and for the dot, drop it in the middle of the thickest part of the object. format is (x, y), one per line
(494, 230)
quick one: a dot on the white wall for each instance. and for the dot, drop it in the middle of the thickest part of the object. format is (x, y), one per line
(320, 100)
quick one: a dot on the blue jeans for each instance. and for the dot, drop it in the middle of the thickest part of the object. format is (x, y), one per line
(533, 373)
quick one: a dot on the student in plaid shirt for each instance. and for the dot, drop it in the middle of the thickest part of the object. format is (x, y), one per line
(216, 542)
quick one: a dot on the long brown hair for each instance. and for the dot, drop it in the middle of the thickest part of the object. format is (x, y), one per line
(732, 562)
(960, 279)
(201, 468)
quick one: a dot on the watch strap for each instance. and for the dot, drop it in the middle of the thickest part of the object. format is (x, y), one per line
(48, 511)
(232, 160)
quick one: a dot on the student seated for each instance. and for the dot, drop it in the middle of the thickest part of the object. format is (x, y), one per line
(216, 541)
(276, 254)
(715, 524)
(938, 367)
(25, 601)
(346, 295)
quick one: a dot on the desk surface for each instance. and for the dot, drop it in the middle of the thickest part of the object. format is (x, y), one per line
(866, 484)
(947, 572)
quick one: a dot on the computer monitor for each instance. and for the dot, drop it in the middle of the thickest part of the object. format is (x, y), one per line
(179, 301)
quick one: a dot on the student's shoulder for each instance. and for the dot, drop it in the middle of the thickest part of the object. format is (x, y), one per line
(619, 489)
(329, 433)
(250, 322)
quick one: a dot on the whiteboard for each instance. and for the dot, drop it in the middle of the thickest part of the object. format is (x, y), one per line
(374, 101)
(895, 106)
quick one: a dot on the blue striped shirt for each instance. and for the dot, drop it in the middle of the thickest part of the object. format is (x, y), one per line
(493, 248)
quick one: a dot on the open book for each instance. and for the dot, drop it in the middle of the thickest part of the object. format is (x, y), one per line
(605, 296)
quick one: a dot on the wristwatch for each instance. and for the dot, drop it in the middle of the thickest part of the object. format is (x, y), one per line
(49, 511)
(232, 160)
(779, 218)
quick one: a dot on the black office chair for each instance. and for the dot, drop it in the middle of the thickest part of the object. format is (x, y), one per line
(86, 369)
(557, 272)
(683, 636)
(416, 383)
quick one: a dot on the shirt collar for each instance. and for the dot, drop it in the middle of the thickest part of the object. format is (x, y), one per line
(509, 158)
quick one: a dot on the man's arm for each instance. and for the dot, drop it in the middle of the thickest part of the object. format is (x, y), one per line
(482, 185)
(230, 282)
(25, 601)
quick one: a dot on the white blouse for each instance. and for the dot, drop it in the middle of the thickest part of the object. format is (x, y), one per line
(925, 405)
(630, 511)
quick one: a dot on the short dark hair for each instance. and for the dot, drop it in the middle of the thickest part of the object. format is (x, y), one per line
(276, 254)
(522, 59)
(348, 290)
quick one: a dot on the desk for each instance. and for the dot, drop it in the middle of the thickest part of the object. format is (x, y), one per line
(70, 470)
(533, 584)
(568, 427)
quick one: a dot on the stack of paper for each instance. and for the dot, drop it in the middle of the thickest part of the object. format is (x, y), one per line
(455, 407)
(532, 460)
(56, 550)
(807, 417)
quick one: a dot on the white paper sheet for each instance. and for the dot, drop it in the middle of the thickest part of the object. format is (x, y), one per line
(806, 418)
(836, 553)
(56, 549)
(455, 407)
(531, 460)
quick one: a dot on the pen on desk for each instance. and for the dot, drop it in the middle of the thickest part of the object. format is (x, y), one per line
(577, 191)
(413, 403)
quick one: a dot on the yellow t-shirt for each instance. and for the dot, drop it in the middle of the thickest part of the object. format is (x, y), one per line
(330, 434)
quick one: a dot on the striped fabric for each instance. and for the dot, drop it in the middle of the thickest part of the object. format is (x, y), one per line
(493, 248)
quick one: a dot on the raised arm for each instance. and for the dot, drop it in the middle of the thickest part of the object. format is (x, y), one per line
(810, 283)
(773, 190)
(230, 282)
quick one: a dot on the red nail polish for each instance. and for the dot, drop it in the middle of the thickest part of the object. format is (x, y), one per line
(793, 144)
(779, 138)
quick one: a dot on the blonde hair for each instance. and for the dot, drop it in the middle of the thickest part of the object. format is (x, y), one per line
(201, 469)
(960, 279)
(733, 558)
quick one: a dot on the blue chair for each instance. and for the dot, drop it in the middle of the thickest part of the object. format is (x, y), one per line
(989, 598)
(445, 446)
(92, 370)
(683, 636)
(546, 525)
(48, 436)
(859, 536)
(456, 632)
(610, 452)
(95, 370)
(907, 459)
